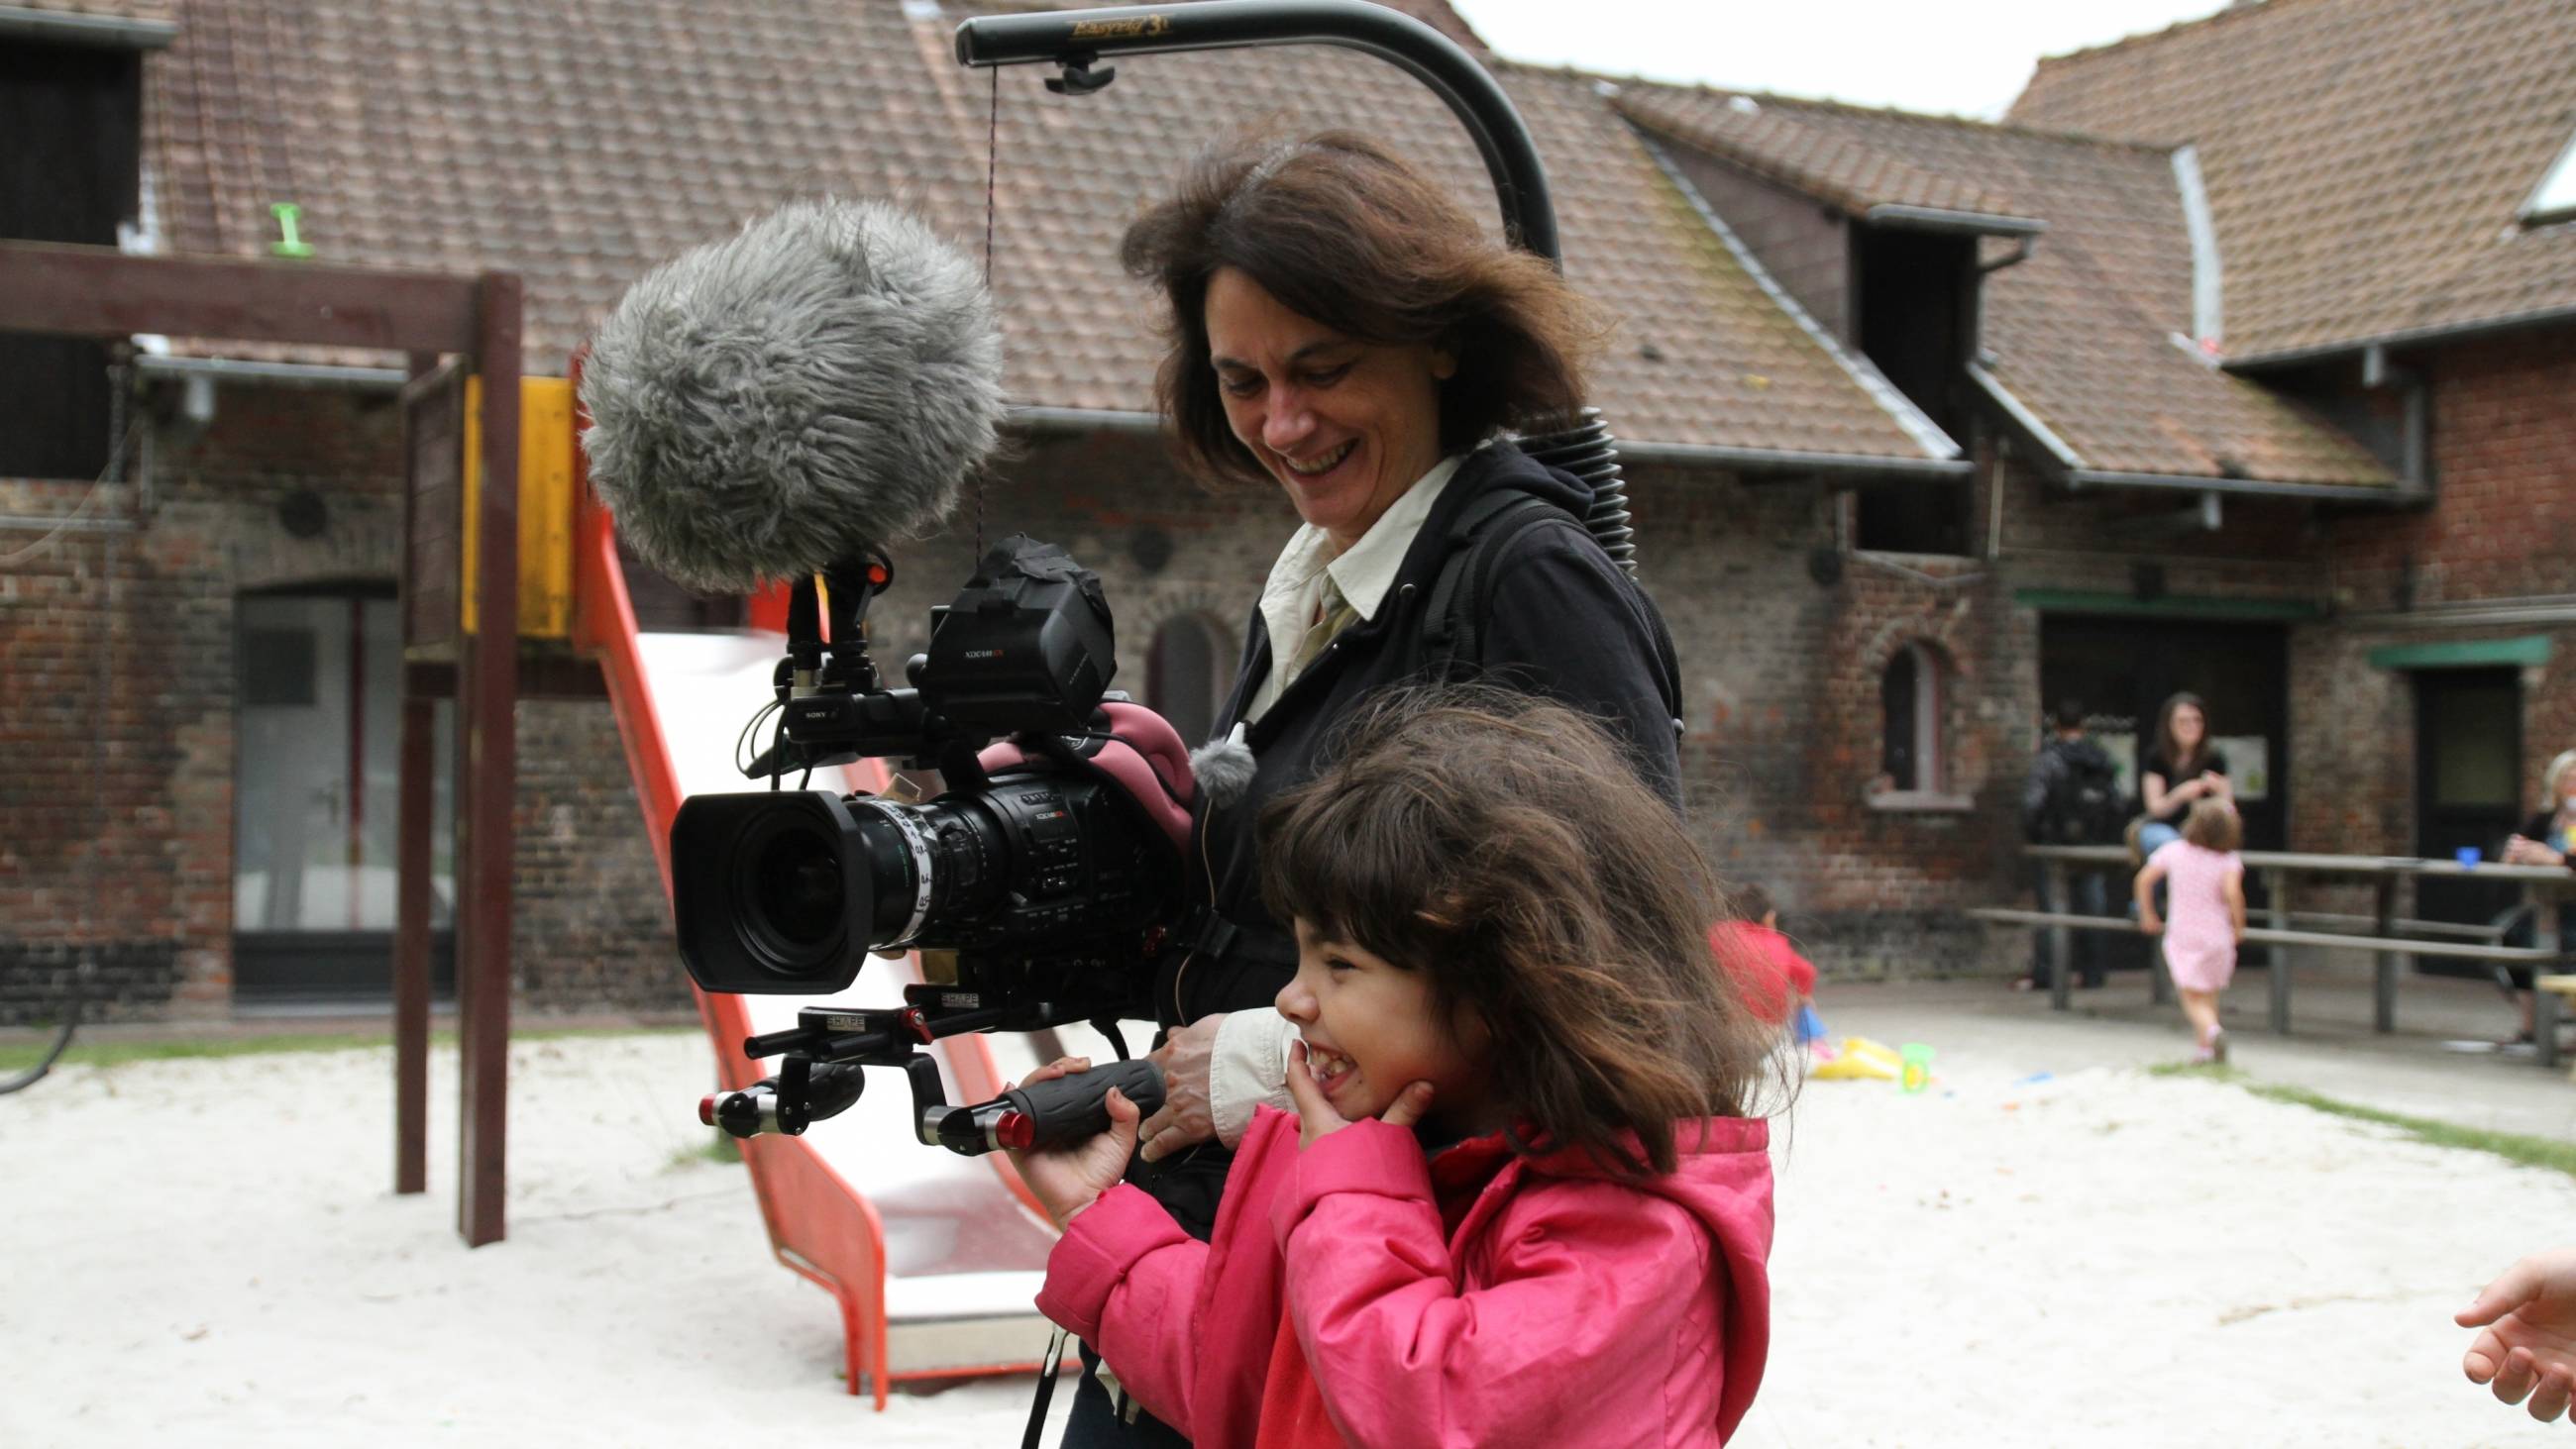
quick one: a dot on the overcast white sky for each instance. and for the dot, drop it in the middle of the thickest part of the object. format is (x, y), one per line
(1967, 57)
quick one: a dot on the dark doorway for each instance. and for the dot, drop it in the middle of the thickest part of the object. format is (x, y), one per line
(1913, 303)
(2468, 786)
(75, 185)
(2124, 668)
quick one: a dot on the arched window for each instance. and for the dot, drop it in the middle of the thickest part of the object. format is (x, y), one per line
(1910, 702)
(1186, 674)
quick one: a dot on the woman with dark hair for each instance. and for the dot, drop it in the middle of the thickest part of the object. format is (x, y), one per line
(2181, 767)
(1342, 329)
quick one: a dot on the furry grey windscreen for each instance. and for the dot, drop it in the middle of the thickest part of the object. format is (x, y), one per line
(765, 405)
(1223, 769)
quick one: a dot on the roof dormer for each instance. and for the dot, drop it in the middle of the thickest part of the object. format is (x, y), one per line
(2554, 199)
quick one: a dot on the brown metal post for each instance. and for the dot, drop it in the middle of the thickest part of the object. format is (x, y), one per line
(98, 291)
(2383, 1006)
(2544, 903)
(489, 684)
(411, 942)
(2061, 940)
(416, 752)
(2160, 988)
(2279, 882)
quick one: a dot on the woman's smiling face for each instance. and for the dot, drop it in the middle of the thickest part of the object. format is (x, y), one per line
(1345, 426)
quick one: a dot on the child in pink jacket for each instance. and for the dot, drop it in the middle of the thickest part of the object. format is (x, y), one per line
(1521, 1201)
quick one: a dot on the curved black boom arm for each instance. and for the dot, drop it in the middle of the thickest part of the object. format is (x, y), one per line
(1076, 38)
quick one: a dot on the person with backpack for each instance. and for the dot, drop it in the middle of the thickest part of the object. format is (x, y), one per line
(1341, 328)
(2073, 797)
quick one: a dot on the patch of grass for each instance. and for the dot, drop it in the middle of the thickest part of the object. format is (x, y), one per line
(2542, 1152)
(720, 1148)
(18, 1056)
(2546, 1153)
(2206, 1071)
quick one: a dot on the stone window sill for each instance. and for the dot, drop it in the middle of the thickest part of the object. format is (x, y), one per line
(1921, 802)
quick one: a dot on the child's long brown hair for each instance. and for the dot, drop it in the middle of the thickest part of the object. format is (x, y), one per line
(1506, 848)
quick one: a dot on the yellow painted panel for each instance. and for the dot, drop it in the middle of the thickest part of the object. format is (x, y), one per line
(545, 504)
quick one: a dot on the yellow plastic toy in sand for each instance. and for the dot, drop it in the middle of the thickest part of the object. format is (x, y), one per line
(1861, 1060)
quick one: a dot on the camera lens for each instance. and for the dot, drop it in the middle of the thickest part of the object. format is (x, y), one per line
(796, 886)
(789, 892)
(771, 891)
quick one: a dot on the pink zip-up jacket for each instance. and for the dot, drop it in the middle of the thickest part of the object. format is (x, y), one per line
(1551, 1303)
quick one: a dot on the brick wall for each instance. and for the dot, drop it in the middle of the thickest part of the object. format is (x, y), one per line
(1780, 680)
(1782, 675)
(119, 648)
(2503, 524)
(2501, 529)
(591, 928)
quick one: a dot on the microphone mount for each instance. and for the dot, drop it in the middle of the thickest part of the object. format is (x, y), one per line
(1076, 41)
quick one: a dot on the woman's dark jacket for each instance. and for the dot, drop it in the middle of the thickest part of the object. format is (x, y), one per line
(1561, 620)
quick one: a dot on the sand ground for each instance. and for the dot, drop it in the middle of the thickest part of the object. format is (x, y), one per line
(206, 1251)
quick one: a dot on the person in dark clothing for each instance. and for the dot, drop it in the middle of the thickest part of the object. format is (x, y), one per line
(2547, 838)
(1342, 329)
(2181, 766)
(2071, 798)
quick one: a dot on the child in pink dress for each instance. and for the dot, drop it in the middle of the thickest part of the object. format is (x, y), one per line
(2207, 893)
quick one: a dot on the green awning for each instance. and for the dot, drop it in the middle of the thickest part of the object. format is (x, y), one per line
(2167, 606)
(2463, 653)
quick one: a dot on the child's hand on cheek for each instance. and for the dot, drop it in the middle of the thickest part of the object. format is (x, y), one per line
(1069, 1179)
(1316, 1115)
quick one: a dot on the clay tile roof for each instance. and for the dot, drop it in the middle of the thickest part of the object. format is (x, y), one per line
(580, 141)
(1832, 152)
(2082, 332)
(2366, 160)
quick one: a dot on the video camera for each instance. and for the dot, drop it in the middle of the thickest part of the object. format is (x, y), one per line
(1048, 865)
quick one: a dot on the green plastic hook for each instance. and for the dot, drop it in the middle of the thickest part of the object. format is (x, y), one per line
(290, 245)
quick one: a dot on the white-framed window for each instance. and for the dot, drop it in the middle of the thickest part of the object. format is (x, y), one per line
(1909, 691)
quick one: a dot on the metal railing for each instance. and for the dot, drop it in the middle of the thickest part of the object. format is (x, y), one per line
(2390, 938)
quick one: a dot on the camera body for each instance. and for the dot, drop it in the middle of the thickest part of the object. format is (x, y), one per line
(1037, 864)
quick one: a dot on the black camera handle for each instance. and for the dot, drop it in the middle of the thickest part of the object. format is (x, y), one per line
(825, 1057)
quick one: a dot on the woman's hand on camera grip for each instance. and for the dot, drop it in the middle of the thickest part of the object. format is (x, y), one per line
(1186, 1119)
(1069, 1179)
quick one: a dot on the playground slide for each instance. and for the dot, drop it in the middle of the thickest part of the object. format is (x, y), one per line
(935, 1259)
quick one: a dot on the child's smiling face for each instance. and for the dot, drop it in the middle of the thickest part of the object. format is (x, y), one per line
(1372, 1029)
